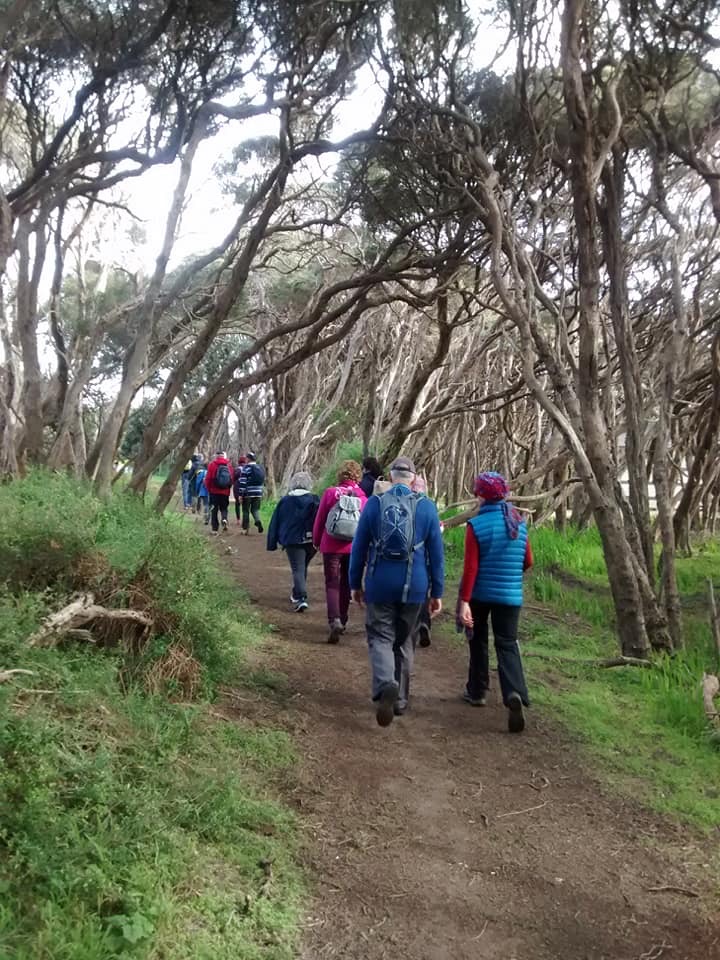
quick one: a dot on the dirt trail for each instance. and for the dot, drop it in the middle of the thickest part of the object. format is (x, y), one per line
(444, 837)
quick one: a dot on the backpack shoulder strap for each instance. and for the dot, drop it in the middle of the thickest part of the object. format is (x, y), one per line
(413, 547)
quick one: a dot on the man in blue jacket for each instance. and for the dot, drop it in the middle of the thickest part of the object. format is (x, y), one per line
(399, 541)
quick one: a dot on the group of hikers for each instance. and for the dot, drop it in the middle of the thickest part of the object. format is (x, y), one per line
(381, 545)
(206, 489)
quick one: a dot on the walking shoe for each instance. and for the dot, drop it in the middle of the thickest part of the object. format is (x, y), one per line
(294, 600)
(398, 710)
(516, 717)
(225, 526)
(335, 632)
(301, 607)
(386, 705)
(424, 635)
(259, 527)
(475, 701)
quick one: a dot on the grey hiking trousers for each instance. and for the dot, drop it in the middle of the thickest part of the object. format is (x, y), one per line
(390, 628)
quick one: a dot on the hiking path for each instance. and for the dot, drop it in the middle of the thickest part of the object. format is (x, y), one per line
(443, 837)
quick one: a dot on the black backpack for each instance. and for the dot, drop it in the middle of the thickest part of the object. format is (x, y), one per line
(223, 477)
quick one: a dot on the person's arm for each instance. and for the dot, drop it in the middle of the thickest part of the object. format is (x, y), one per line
(436, 555)
(528, 562)
(272, 534)
(320, 518)
(471, 565)
(359, 552)
(210, 475)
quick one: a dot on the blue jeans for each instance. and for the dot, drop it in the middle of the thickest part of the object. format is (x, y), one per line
(510, 669)
(186, 491)
(299, 556)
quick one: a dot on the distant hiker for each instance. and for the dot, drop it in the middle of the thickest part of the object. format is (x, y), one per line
(239, 484)
(423, 631)
(398, 540)
(335, 525)
(291, 526)
(196, 462)
(219, 480)
(185, 480)
(251, 483)
(371, 471)
(203, 497)
(497, 552)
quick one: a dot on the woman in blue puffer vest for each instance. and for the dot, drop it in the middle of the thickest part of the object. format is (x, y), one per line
(497, 553)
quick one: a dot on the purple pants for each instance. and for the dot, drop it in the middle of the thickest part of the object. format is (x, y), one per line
(337, 585)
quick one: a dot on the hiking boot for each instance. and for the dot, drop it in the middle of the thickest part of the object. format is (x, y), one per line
(224, 526)
(480, 701)
(294, 600)
(336, 630)
(399, 710)
(259, 527)
(516, 717)
(386, 705)
(424, 635)
(301, 607)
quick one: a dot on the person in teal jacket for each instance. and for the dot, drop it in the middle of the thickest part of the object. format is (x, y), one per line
(497, 552)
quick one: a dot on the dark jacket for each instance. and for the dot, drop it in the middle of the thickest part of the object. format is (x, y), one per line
(251, 480)
(367, 483)
(385, 580)
(292, 520)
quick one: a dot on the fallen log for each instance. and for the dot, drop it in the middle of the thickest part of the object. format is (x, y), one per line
(73, 620)
(6, 675)
(603, 662)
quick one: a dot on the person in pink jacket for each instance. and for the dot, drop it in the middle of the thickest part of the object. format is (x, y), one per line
(339, 510)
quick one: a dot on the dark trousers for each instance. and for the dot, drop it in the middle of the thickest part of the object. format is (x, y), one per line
(423, 620)
(218, 502)
(510, 669)
(251, 505)
(238, 506)
(299, 556)
(390, 628)
(337, 585)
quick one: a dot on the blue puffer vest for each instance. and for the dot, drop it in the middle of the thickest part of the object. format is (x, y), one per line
(500, 577)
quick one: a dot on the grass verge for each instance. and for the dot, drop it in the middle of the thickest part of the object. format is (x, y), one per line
(646, 728)
(132, 824)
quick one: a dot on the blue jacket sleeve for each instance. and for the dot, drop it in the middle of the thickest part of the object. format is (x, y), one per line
(435, 553)
(272, 534)
(361, 544)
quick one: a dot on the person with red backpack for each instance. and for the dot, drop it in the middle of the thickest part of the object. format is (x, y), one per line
(335, 525)
(219, 481)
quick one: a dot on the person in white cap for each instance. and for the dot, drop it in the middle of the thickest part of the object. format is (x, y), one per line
(398, 550)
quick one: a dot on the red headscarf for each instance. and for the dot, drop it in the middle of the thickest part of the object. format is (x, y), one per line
(492, 487)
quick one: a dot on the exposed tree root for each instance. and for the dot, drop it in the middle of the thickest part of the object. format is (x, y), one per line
(83, 619)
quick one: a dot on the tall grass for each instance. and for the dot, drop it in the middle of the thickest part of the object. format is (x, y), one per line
(131, 826)
(647, 726)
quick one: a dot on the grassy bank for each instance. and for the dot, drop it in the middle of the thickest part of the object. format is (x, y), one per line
(646, 727)
(134, 823)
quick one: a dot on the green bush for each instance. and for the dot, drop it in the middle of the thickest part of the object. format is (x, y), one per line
(345, 451)
(131, 827)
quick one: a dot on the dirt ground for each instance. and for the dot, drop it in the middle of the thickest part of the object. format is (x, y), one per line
(443, 836)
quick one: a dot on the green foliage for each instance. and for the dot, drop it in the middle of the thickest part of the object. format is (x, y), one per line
(132, 827)
(646, 726)
(351, 450)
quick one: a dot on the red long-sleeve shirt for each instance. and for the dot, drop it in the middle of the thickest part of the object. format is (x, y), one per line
(471, 563)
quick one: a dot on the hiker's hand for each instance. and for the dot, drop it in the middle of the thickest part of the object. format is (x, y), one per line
(435, 606)
(359, 597)
(465, 614)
